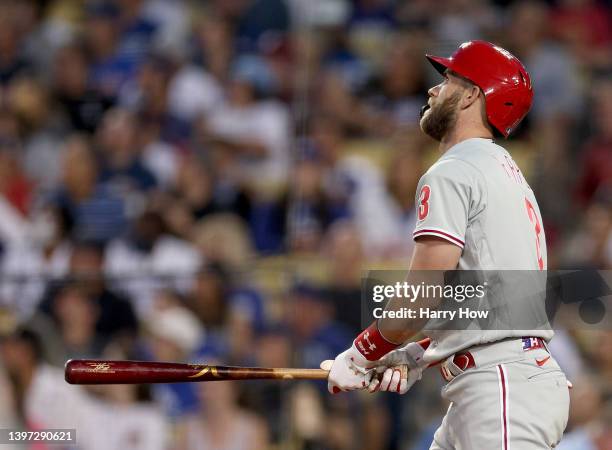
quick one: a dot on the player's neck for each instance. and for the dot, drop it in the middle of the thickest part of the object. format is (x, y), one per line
(460, 133)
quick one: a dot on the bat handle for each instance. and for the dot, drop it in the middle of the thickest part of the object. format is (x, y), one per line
(301, 374)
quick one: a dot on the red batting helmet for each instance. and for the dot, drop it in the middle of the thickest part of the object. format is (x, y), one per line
(501, 76)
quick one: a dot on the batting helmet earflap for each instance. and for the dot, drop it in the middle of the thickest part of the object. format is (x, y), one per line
(501, 76)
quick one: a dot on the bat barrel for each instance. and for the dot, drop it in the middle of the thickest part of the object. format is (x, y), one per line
(140, 372)
(126, 372)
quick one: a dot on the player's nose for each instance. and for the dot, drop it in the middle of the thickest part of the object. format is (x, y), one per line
(433, 92)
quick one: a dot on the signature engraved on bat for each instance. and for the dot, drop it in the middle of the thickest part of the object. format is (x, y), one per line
(204, 371)
(101, 368)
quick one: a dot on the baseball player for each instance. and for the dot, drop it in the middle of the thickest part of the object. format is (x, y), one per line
(474, 211)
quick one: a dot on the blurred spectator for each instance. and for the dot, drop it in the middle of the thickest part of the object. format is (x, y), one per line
(261, 22)
(117, 36)
(257, 130)
(44, 30)
(149, 258)
(596, 345)
(355, 187)
(310, 210)
(584, 27)
(108, 71)
(224, 239)
(553, 71)
(340, 61)
(396, 96)
(220, 424)
(336, 100)
(566, 352)
(319, 13)
(42, 129)
(97, 213)
(590, 244)
(405, 168)
(83, 105)
(270, 400)
(193, 93)
(214, 44)
(135, 424)
(148, 95)
(42, 398)
(12, 62)
(76, 315)
(317, 336)
(136, 29)
(15, 188)
(173, 333)
(247, 317)
(198, 194)
(319, 193)
(208, 298)
(458, 21)
(585, 429)
(122, 168)
(114, 314)
(344, 250)
(44, 256)
(403, 176)
(8, 411)
(172, 20)
(595, 180)
(158, 157)
(378, 12)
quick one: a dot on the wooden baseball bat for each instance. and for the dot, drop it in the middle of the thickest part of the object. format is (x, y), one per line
(89, 371)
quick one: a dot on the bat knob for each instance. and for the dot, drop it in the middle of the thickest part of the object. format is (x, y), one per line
(69, 371)
(327, 364)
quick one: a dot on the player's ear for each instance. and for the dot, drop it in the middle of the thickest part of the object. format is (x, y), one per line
(471, 95)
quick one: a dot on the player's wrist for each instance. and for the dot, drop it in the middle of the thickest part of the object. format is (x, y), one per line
(372, 345)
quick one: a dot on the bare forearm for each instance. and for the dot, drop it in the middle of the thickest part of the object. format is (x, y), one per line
(430, 259)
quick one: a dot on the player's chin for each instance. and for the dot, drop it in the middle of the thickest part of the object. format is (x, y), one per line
(423, 121)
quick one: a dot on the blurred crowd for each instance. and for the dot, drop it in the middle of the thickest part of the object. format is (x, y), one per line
(186, 180)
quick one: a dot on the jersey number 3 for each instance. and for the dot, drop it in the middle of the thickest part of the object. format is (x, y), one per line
(533, 217)
(424, 202)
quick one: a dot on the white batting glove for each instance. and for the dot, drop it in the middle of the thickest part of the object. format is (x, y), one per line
(400, 368)
(355, 367)
(398, 379)
(349, 371)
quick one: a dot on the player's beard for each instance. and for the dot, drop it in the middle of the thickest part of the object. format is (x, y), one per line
(441, 118)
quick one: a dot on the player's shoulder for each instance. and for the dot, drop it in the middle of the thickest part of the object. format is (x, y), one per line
(467, 159)
(473, 151)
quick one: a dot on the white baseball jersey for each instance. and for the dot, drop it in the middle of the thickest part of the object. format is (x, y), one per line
(476, 197)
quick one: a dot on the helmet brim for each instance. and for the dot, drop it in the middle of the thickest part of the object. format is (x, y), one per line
(439, 63)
